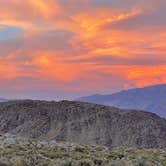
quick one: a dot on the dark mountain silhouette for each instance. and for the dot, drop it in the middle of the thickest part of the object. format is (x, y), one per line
(152, 99)
(83, 123)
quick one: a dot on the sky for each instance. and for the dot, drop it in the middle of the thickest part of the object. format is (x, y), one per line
(62, 49)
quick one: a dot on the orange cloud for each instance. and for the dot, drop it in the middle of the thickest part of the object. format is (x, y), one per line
(138, 75)
(28, 14)
(147, 75)
(54, 67)
(84, 48)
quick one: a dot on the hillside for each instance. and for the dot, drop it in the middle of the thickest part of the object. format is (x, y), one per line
(152, 99)
(82, 123)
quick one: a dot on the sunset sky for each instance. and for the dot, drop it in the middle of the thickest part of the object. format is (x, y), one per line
(54, 49)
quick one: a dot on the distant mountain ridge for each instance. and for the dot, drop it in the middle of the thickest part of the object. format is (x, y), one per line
(82, 123)
(3, 100)
(151, 98)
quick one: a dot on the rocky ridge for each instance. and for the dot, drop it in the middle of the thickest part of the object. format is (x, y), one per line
(82, 123)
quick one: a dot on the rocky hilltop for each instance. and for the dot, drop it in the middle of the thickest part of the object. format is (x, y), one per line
(82, 123)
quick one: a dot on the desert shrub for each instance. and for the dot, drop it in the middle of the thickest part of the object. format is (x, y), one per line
(86, 163)
(68, 163)
(20, 162)
(141, 162)
(112, 156)
(4, 164)
(81, 149)
(98, 162)
(164, 163)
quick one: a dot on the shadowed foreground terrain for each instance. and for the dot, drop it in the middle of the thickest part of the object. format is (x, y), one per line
(25, 152)
(82, 123)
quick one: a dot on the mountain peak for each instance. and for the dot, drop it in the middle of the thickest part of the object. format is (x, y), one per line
(150, 98)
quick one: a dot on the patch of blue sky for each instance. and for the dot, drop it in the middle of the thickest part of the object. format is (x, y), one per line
(9, 32)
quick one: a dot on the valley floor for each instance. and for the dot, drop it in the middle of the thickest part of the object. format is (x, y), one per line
(34, 153)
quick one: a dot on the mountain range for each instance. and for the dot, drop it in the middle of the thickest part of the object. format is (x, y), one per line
(151, 98)
(3, 100)
(82, 123)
